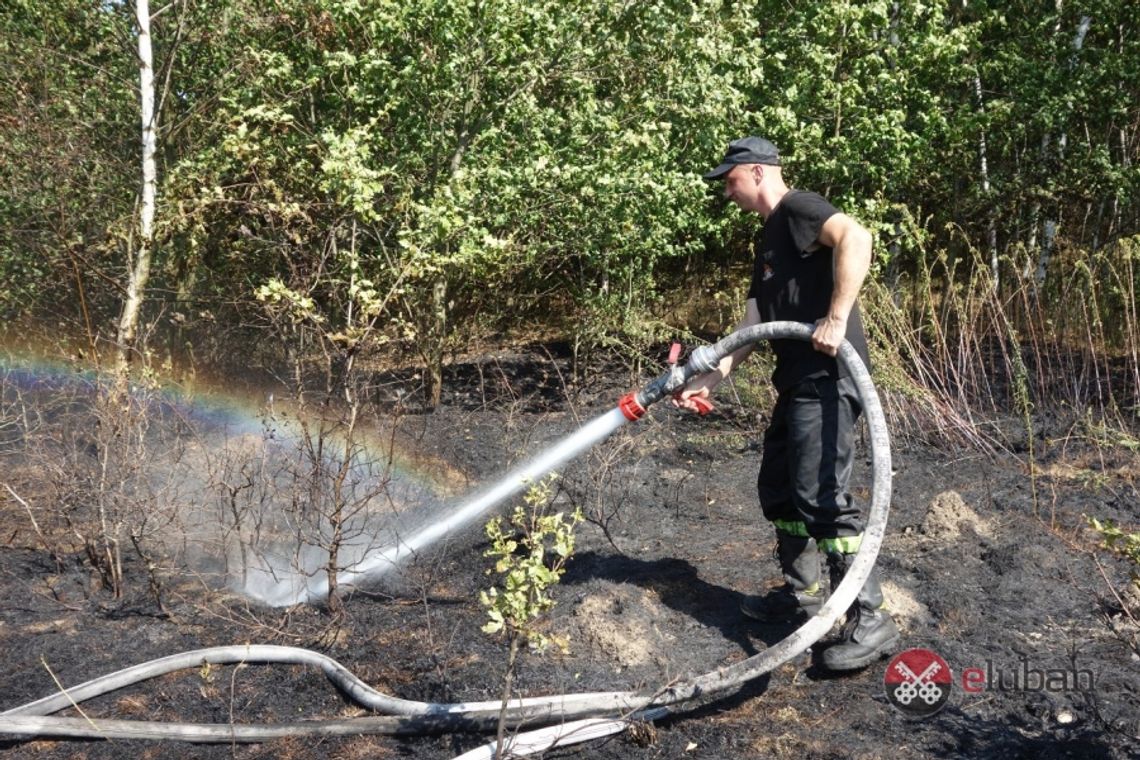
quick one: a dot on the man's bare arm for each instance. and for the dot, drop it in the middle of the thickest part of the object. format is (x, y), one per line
(851, 255)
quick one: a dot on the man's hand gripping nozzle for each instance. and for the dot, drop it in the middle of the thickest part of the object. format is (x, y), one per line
(671, 382)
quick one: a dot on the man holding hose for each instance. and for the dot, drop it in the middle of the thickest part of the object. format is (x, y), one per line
(811, 260)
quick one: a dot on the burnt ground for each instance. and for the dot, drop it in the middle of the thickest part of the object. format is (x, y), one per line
(674, 540)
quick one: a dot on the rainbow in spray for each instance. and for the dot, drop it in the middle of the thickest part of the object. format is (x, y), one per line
(257, 496)
(238, 487)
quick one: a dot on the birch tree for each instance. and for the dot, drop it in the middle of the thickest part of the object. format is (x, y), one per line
(1049, 234)
(987, 195)
(140, 261)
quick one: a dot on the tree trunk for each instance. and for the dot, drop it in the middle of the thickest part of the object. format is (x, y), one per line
(508, 678)
(1046, 252)
(1049, 235)
(141, 257)
(894, 266)
(436, 337)
(984, 173)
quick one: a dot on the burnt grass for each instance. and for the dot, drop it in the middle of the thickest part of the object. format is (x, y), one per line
(975, 570)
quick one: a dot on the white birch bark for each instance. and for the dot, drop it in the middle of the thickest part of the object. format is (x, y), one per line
(984, 174)
(1050, 231)
(141, 258)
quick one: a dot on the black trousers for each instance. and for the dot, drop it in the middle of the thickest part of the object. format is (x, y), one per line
(809, 448)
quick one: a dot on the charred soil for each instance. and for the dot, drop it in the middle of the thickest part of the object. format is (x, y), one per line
(975, 570)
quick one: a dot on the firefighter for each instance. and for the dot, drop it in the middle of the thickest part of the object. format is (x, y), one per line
(810, 261)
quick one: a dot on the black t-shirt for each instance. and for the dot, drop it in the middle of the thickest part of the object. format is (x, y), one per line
(791, 282)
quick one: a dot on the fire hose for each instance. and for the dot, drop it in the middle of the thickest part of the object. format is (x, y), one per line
(568, 717)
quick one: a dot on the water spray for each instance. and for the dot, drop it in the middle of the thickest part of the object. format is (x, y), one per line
(568, 715)
(630, 408)
(376, 563)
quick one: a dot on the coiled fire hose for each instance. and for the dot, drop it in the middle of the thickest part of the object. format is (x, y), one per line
(569, 717)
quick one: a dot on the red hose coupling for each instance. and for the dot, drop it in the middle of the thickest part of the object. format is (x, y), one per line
(630, 408)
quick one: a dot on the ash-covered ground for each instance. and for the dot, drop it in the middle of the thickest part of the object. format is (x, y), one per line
(975, 570)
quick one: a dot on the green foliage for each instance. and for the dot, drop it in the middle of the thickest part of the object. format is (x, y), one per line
(547, 145)
(507, 163)
(68, 118)
(557, 146)
(530, 553)
(1119, 541)
(1102, 435)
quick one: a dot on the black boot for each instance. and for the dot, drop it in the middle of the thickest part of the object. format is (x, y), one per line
(800, 597)
(870, 632)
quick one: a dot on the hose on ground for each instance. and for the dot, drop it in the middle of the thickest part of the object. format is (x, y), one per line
(402, 717)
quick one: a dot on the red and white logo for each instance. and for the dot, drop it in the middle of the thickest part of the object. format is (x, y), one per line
(918, 682)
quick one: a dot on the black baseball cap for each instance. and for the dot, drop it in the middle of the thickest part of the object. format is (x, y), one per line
(746, 150)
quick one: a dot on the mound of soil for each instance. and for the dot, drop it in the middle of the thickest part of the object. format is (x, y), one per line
(976, 569)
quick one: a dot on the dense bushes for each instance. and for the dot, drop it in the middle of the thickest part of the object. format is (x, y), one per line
(405, 175)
